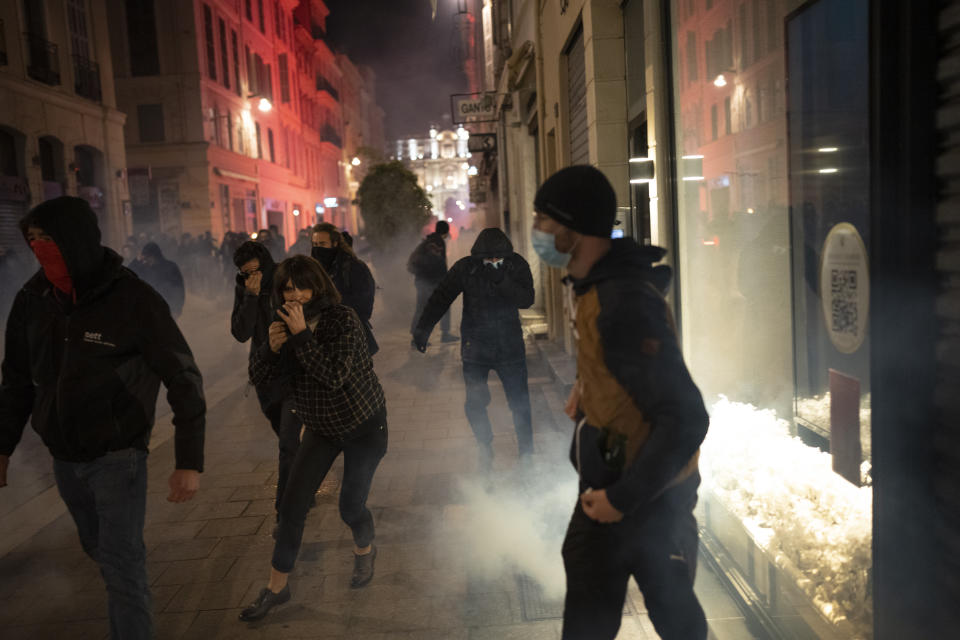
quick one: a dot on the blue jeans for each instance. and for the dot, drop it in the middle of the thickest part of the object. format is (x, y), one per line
(107, 498)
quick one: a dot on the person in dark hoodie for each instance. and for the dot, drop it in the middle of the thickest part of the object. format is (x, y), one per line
(351, 275)
(253, 311)
(639, 417)
(428, 264)
(87, 345)
(163, 275)
(495, 282)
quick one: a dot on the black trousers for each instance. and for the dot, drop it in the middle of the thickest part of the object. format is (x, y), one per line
(315, 456)
(659, 551)
(286, 425)
(513, 375)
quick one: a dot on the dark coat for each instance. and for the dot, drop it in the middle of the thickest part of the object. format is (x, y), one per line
(352, 278)
(164, 276)
(88, 371)
(631, 370)
(251, 320)
(490, 327)
(428, 262)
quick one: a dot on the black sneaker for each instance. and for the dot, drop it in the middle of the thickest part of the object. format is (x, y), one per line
(363, 569)
(264, 602)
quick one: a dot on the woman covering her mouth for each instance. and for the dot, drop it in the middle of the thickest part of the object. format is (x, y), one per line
(337, 395)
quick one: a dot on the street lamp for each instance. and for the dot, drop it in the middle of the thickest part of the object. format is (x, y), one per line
(264, 105)
(355, 162)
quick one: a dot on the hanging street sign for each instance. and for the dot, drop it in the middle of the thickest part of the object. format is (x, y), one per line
(467, 108)
(480, 142)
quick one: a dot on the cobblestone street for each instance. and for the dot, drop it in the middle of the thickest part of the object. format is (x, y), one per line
(434, 515)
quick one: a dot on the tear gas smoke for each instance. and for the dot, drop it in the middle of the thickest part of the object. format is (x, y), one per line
(517, 524)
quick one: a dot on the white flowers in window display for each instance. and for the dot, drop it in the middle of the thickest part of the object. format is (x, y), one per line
(812, 523)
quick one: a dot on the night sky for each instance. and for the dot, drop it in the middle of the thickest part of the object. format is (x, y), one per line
(413, 56)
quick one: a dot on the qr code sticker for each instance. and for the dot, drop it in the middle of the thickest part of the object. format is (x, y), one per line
(843, 300)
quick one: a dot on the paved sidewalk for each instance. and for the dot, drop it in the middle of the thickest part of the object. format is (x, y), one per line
(459, 556)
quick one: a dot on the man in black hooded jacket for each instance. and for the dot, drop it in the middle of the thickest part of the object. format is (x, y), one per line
(351, 275)
(428, 264)
(495, 282)
(163, 275)
(87, 345)
(253, 313)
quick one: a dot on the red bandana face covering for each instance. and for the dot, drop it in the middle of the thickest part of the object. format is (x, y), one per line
(54, 267)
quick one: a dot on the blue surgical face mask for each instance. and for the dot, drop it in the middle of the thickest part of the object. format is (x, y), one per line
(544, 245)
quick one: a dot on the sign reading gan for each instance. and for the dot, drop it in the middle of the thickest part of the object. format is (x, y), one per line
(473, 107)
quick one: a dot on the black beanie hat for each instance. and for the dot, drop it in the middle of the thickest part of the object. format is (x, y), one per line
(581, 198)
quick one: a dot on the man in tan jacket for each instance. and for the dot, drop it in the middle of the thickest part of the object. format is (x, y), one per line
(640, 420)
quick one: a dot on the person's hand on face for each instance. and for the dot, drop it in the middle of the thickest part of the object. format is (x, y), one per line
(292, 314)
(277, 335)
(252, 283)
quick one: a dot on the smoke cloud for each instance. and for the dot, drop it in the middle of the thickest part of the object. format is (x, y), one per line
(517, 523)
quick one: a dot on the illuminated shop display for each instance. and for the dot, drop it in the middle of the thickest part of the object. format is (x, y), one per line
(772, 253)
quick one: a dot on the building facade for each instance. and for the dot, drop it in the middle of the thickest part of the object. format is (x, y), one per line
(814, 265)
(441, 163)
(235, 120)
(61, 132)
(363, 135)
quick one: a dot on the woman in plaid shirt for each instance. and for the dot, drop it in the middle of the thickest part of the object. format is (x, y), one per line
(322, 345)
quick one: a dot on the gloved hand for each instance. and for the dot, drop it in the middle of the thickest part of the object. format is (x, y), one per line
(420, 341)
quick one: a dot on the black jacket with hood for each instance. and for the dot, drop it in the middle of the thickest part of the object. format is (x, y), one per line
(428, 262)
(490, 326)
(88, 371)
(251, 318)
(648, 421)
(353, 280)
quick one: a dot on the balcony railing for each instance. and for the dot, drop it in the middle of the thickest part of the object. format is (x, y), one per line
(86, 78)
(324, 85)
(329, 134)
(44, 60)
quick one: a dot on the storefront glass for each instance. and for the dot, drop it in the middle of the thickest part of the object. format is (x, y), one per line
(773, 220)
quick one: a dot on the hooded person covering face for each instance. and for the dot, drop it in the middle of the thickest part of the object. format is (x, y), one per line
(87, 345)
(71, 258)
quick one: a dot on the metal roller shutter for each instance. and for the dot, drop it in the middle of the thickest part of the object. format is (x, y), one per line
(577, 101)
(948, 304)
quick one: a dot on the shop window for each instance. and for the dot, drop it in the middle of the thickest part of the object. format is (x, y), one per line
(773, 230)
